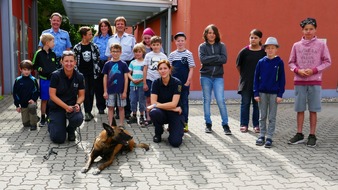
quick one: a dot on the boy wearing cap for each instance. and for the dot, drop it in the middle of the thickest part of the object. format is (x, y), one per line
(269, 86)
(308, 58)
(183, 67)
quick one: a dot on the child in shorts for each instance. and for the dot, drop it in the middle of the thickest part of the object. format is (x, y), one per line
(115, 83)
(308, 58)
(45, 63)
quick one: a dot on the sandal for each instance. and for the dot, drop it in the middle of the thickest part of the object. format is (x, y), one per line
(244, 129)
(257, 130)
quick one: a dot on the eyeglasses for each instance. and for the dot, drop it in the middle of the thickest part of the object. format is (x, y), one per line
(67, 53)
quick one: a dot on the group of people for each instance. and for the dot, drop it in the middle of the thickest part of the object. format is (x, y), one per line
(125, 76)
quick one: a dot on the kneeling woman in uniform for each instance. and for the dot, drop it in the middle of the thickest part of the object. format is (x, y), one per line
(165, 107)
(67, 92)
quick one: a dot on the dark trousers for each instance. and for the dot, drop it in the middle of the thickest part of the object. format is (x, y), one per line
(160, 117)
(100, 101)
(89, 93)
(57, 124)
(185, 102)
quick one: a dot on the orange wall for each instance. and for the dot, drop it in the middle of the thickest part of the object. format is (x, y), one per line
(235, 19)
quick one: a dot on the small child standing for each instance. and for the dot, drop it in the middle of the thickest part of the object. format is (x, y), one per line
(269, 86)
(45, 63)
(150, 72)
(183, 67)
(308, 58)
(115, 83)
(136, 84)
(25, 94)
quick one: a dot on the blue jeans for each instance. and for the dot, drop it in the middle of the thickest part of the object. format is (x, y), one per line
(137, 95)
(216, 84)
(185, 102)
(247, 98)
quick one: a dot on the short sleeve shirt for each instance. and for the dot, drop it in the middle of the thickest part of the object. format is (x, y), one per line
(115, 76)
(127, 42)
(182, 61)
(151, 60)
(61, 40)
(165, 93)
(66, 89)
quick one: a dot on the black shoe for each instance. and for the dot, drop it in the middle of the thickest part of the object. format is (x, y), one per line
(101, 111)
(208, 128)
(312, 141)
(227, 130)
(157, 139)
(43, 122)
(71, 136)
(33, 127)
(132, 119)
(117, 116)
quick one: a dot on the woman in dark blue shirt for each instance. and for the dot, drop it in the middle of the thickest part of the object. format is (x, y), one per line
(165, 106)
(67, 92)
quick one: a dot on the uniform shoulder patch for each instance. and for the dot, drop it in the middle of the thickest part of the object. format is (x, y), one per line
(179, 88)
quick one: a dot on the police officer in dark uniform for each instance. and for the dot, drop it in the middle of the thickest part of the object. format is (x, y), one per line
(67, 92)
(165, 106)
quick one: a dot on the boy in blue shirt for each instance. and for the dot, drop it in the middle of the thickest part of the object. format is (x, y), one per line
(183, 62)
(115, 83)
(269, 86)
(25, 95)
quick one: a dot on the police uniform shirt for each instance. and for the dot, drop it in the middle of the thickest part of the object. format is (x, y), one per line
(61, 41)
(66, 89)
(165, 93)
(127, 42)
(101, 42)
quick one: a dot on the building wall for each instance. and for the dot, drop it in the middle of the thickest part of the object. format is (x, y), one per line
(235, 19)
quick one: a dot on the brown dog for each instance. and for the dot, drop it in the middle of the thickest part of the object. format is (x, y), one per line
(110, 141)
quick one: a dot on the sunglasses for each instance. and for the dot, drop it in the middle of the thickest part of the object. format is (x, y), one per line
(67, 53)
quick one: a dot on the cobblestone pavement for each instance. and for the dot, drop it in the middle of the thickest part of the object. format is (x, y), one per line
(203, 161)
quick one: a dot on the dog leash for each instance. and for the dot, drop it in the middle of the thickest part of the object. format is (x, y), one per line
(51, 150)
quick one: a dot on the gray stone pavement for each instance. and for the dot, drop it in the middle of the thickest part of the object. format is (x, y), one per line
(203, 161)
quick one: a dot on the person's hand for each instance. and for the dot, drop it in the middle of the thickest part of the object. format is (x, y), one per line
(151, 107)
(124, 95)
(145, 87)
(309, 72)
(137, 81)
(187, 83)
(18, 109)
(178, 109)
(302, 73)
(258, 99)
(77, 107)
(70, 109)
(279, 100)
(105, 95)
(30, 101)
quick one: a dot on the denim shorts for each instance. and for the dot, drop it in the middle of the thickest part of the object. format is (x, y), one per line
(112, 98)
(308, 95)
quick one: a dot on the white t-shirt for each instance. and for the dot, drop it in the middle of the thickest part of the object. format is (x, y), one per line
(151, 60)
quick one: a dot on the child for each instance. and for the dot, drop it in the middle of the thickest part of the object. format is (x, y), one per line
(150, 72)
(136, 84)
(269, 86)
(308, 58)
(45, 63)
(25, 94)
(115, 83)
(183, 67)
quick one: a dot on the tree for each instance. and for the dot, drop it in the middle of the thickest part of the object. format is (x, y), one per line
(46, 8)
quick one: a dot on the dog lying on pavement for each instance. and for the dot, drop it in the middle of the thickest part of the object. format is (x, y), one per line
(108, 143)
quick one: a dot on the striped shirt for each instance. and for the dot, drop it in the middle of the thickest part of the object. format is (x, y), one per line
(136, 67)
(182, 61)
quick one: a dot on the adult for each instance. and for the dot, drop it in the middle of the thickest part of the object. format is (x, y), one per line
(165, 105)
(67, 92)
(61, 37)
(127, 41)
(212, 54)
(146, 36)
(87, 58)
(101, 38)
(246, 62)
